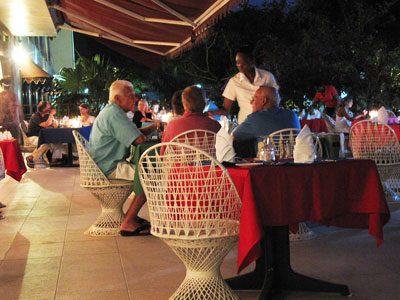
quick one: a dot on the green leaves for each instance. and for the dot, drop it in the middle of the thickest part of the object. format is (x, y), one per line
(88, 82)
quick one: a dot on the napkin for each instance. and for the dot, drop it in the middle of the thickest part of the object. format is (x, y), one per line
(224, 146)
(383, 116)
(7, 135)
(304, 149)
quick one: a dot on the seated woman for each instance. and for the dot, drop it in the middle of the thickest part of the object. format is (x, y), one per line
(193, 118)
(87, 119)
(343, 115)
(143, 114)
(177, 106)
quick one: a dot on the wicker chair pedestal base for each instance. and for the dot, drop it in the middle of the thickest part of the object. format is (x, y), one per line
(108, 223)
(111, 200)
(203, 259)
(302, 234)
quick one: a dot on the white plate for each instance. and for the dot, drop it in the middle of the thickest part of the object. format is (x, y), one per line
(249, 165)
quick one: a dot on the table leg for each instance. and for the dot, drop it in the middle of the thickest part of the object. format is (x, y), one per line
(69, 162)
(278, 274)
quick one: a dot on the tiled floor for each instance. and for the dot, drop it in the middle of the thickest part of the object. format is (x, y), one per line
(45, 255)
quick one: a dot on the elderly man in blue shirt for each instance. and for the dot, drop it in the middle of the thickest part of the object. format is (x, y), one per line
(113, 134)
(267, 117)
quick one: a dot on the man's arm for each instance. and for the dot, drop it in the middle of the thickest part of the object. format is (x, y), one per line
(149, 129)
(228, 103)
(140, 140)
(49, 121)
(146, 132)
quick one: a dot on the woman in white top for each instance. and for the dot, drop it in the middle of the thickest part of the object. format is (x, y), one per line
(343, 115)
(87, 119)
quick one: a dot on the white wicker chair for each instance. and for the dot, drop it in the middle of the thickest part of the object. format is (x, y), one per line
(110, 193)
(281, 138)
(2, 166)
(199, 138)
(29, 145)
(284, 140)
(195, 208)
(378, 142)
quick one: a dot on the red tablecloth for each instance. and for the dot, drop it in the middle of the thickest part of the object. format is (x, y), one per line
(13, 159)
(395, 127)
(316, 125)
(334, 193)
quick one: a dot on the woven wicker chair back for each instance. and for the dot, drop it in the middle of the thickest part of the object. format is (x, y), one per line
(91, 175)
(190, 195)
(375, 141)
(284, 140)
(201, 139)
(24, 129)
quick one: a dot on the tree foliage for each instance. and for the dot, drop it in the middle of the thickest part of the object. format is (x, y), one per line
(351, 44)
(89, 82)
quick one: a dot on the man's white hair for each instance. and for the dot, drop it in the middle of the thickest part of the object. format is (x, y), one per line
(119, 87)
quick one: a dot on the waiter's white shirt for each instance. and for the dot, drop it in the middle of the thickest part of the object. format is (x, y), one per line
(239, 88)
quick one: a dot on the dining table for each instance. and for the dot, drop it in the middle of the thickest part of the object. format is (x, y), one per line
(333, 193)
(61, 136)
(315, 125)
(13, 159)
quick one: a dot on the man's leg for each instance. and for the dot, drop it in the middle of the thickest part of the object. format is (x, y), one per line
(37, 154)
(57, 151)
(131, 222)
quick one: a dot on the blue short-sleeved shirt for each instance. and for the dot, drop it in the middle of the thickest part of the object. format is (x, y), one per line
(111, 136)
(265, 122)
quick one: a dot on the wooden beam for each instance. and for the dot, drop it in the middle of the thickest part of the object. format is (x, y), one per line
(156, 43)
(140, 17)
(167, 21)
(210, 11)
(174, 12)
(114, 35)
(177, 47)
(101, 35)
(96, 34)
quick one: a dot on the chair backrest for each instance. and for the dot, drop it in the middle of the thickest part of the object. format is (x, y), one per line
(24, 130)
(199, 138)
(285, 139)
(2, 166)
(374, 141)
(190, 195)
(91, 175)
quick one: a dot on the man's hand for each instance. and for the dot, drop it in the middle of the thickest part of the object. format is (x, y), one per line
(140, 140)
(52, 112)
(149, 129)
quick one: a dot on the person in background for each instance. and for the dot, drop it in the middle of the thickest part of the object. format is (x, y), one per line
(177, 106)
(329, 96)
(193, 118)
(10, 108)
(267, 117)
(43, 118)
(110, 140)
(242, 86)
(344, 116)
(87, 119)
(143, 114)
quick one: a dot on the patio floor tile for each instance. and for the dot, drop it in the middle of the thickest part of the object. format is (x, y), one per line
(44, 253)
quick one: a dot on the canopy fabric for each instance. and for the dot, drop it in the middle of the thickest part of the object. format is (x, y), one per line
(32, 72)
(145, 30)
